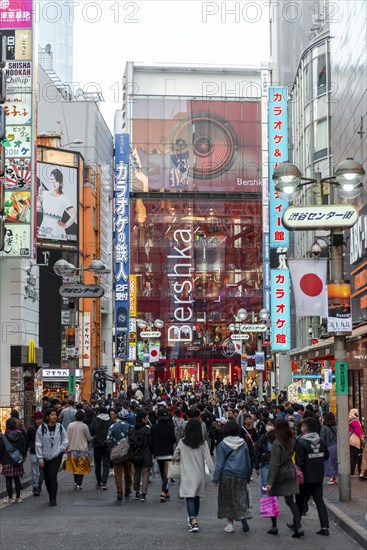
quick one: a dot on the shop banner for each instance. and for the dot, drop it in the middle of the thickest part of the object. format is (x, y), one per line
(341, 377)
(121, 248)
(281, 310)
(339, 308)
(16, 14)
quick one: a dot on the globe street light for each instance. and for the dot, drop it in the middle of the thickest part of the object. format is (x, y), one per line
(347, 178)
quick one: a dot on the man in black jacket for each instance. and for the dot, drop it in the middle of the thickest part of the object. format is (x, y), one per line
(311, 453)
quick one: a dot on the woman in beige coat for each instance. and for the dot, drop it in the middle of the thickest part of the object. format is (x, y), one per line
(77, 452)
(193, 454)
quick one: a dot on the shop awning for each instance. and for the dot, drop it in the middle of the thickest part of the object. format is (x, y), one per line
(324, 348)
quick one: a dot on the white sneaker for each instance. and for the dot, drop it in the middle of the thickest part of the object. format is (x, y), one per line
(18, 500)
(8, 500)
(112, 473)
(229, 528)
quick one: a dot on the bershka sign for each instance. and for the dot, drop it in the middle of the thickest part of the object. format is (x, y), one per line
(180, 274)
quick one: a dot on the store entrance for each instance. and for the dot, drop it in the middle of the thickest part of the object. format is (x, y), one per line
(221, 370)
(189, 371)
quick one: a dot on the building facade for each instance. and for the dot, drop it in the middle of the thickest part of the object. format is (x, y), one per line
(195, 216)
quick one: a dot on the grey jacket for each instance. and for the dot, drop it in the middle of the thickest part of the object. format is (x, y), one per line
(45, 448)
(282, 473)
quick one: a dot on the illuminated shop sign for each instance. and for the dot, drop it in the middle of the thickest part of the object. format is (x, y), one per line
(121, 248)
(278, 236)
(181, 277)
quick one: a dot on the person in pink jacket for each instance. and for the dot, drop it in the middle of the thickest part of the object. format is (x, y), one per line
(356, 439)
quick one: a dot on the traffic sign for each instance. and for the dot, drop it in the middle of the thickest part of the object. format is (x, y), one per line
(81, 291)
(240, 336)
(254, 328)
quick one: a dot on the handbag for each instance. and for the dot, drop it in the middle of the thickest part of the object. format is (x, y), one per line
(355, 440)
(174, 470)
(300, 476)
(16, 457)
(120, 452)
(269, 507)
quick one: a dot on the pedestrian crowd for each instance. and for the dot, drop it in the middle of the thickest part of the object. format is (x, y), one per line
(195, 435)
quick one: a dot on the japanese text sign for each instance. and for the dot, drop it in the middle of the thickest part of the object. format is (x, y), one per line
(280, 310)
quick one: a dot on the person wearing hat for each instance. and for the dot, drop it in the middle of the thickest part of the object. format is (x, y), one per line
(118, 431)
(30, 439)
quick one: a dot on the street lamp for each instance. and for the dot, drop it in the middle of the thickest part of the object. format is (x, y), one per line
(142, 324)
(63, 268)
(348, 178)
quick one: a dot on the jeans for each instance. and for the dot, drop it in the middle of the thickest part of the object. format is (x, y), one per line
(37, 473)
(193, 506)
(50, 471)
(314, 490)
(264, 472)
(9, 486)
(102, 460)
(118, 469)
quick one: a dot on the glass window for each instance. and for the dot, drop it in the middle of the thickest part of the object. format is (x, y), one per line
(320, 138)
(319, 75)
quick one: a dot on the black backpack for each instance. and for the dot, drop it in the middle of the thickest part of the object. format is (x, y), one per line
(100, 436)
(137, 443)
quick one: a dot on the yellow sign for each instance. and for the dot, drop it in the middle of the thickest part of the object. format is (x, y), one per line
(31, 352)
(132, 295)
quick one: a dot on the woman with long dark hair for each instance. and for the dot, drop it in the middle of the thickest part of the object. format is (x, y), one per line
(328, 433)
(282, 477)
(51, 443)
(163, 440)
(193, 454)
(233, 473)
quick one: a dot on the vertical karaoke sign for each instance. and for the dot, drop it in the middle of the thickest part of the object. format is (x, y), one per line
(278, 236)
(121, 245)
(19, 136)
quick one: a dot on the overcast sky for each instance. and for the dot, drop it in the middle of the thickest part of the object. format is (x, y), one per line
(109, 33)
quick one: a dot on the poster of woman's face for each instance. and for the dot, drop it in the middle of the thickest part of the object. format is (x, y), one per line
(57, 203)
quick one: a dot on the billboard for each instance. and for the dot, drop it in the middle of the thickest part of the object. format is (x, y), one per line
(18, 112)
(57, 203)
(121, 245)
(182, 144)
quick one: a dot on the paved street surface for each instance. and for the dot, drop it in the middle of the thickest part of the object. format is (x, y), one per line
(93, 519)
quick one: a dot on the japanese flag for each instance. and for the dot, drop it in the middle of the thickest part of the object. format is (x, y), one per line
(153, 353)
(238, 347)
(309, 286)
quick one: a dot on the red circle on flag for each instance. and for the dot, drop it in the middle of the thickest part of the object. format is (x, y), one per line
(154, 353)
(311, 284)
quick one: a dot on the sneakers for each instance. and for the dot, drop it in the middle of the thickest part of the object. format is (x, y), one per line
(162, 497)
(143, 498)
(298, 534)
(119, 496)
(52, 503)
(331, 481)
(18, 500)
(8, 500)
(137, 495)
(36, 492)
(229, 528)
(104, 487)
(112, 473)
(194, 528)
(78, 487)
(127, 494)
(273, 531)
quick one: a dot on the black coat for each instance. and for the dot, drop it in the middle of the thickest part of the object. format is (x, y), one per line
(147, 453)
(311, 454)
(163, 438)
(16, 439)
(30, 439)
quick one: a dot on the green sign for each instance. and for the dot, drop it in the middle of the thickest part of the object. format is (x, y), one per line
(71, 383)
(341, 377)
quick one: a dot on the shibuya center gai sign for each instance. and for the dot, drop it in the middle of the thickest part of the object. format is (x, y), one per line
(320, 217)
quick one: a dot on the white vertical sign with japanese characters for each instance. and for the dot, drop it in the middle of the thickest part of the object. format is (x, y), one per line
(85, 344)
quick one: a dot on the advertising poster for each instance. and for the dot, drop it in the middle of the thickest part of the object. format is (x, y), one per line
(57, 203)
(18, 77)
(18, 173)
(15, 14)
(184, 144)
(18, 109)
(18, 44)
(17, 207)
(339, 308)
(17, 240)
(17, 141)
